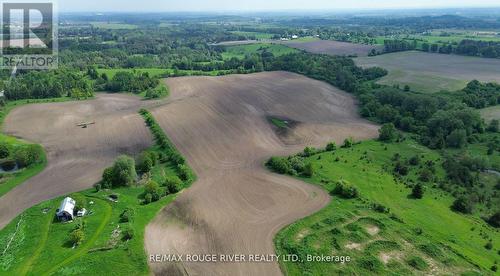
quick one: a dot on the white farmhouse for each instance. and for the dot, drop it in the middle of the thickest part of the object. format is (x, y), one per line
(66, 210)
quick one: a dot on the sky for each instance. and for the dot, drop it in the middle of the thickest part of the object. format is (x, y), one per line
(259, 5)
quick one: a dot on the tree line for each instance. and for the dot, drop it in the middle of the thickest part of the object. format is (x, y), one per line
(48, 84)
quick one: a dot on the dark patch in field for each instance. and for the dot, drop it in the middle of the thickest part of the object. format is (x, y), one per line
(283, 127)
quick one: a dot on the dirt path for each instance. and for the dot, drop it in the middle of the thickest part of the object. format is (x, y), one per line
(76, 156)
(236, 207)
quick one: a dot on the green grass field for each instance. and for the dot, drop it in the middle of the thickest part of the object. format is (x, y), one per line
(422, 82)
(113, 26)
(421, 233)
(305, 39)
(40, 245)
(241, 51)
(491, 113)
(431, 73)
(258, 35)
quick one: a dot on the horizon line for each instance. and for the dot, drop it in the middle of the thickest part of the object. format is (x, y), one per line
(285, 10)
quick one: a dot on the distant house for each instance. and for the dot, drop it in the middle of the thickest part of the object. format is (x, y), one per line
(66, 210)
(295, 36)
(2, 94)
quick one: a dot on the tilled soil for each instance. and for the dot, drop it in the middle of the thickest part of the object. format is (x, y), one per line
(220, 124)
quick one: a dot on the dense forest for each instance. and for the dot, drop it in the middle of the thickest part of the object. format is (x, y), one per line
(48, 84)
(466, 47)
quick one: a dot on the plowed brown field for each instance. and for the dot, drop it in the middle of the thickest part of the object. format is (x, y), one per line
(236, 207)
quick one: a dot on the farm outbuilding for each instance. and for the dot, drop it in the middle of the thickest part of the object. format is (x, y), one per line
(66, 210)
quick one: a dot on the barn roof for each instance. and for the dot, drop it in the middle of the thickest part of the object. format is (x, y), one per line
(67, 205)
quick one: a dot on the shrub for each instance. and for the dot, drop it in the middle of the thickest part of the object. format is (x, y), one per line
(349, 142)
(308, 151)
(152, 188)
(331, 146)
(296, 163)
(4, 150)
(122, 173)
(80, 224)
(81, 201)
(380, 208)
(97, 187)
(8, 165)
(417, 263)
(463, 205)
(128, 233)
(184, 172)
(387, 132)
(493, 126)
(425, 175)
(173, 184)
(308, 170)
(177, 159)
(148, 198)
(107, 178)
(370, 263)
(155, 93)
(417, 191)
(494, 220)
(278, 164)
(414, 160)
(344, 190)
(401, 168)
(127, 215)
(144, 162)
(457, 138)
(431, 250)
(28, 155)
(77, 236)
(488, 245)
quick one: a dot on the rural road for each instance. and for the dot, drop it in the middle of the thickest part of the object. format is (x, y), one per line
(236, 207)
(76, 156)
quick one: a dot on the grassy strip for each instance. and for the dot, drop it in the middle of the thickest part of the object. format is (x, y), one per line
(279, 123)
(240, 51)
(161, 139)
(41, 244)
